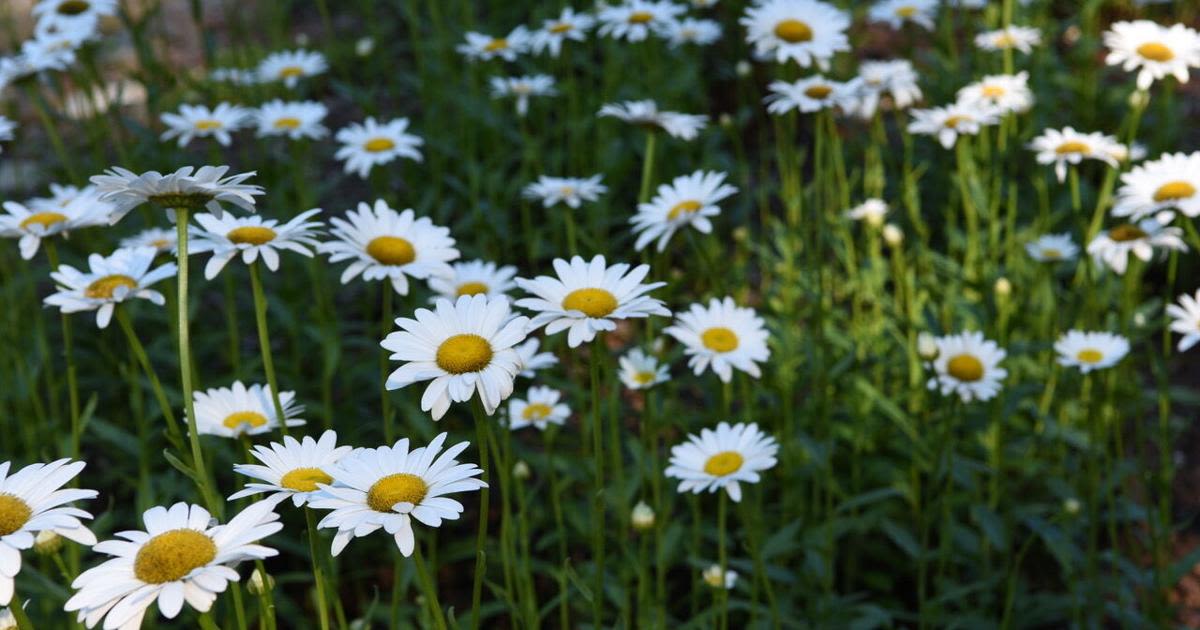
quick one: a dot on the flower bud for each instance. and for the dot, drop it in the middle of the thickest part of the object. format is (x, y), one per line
(1072, 506)
(893, 235)
(642, 516)
(927, 346)
(364, 46)
(47, 543)
(521, 471)
(260, 583)
(1003, 288)
(743, 68)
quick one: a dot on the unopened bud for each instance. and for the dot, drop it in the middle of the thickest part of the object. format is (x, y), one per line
(47, 543)
(893, 235)
(364, 46)
(521, 471)
(642, 516)
(1003, 288)
(260, 583)
(743, 68)
(1072, 506)
(927, 346)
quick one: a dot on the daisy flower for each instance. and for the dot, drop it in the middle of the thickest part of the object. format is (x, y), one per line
(236, 76)
(123, 275)
(569, 25)
(290, 66)
(532, 360)
(722, 459)
(1090, 350)
(72, 13)
(1022, 38)
(7, 127)
(968, 365)
(808, 32)
(369, 144)
(712, 577)
(948, 123)
(250, 237)
(540, 409)
(161, 239)
(389, 486)
(589, 297)
(572, 191)
(634, 20)
(689, 200)
(198, 121)
(295, 120)
(64, 195)
(293, 468)
(55, 49)
(1070, 147)
(33, 500)
(1052, 248)
(187, 187)
(690, 31)
(484, 47)
(896, 12)
(1185, 320)
(32, 224)
(724, 335)
(810, 94)
(873, 211)
(461, 347)
(876, 79)
(1170, 182)
(1153, 50)
(239, 410)
(181, 557)
(642, 371)
(383, 244)
(1007, 93)
(1112, 247)
(522, 88)
(646, 114)
(474, 277)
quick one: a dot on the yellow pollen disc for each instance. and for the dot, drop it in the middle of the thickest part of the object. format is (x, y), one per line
(965, 367)
(251, 235)
(640, 17)
(591, 302)
(906, 11)
(14, 513)
(1072, 146)
(719, 339)
(287, 123)
(304, 479)
(1126, 232)
(1155, 51)
(1090, 355)
(44, 219)
(1004, 41)
(377, 145)
(793, 31)
(536, 411)
(683, 207)
(724, 463)
(249, 419)
(496, 44)
(993, 91)
(291, 71)
(171, 555)
(561, 27)
(1051, 254)
(818, 92)
(73, 7)
(391, 250)
(397, 488)
(644, 378)
(464, 353)
(104, 288)
(954, 121)
(1170, 191)
(472, 288)
(161, 243)
(208, 125)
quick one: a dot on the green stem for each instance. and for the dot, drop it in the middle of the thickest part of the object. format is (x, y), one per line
(69, 356)
(318, 577)
(483, 436)
(264, 344)
(139, 353)
(429, 589)
(722, 560)
(598, 503)
(647, 168)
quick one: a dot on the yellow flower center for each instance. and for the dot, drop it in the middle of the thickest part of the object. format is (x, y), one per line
(1050, 253)
(251, 235)
(793, 31)
(535, 411)
(287, 122)
(472, 288)
(248, 419)
(291, 71)
(1126, 232)
(965, 367)
(1090, 355)
(397, 488)
(724, 463)
(1174, 191)
(719, 339)
(171, 555)
(1155, 51)
(591, 302)
(14, 513)
(391, 250)
(683, 207)
(906, 11)
(44, 219)
(993, 91)
(561, 27)
(954, 121)
(73, 7)
(103, 288)
(305, 479)
(1072, 146)
(496, 44)
(640, 17)
(464, 353)
(1004, 41)
(377, 145)
(818, 92)
(208, 125)
(160, 243)
(644, 378)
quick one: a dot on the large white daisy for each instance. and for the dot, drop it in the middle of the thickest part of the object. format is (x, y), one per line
(252, 237)
(968, 365)
(1090, 350)
(722, 459)
(188, 187)
(123, 275)
(1172, 182)
(369, 144)
(723, 335)
(292, 469)
(1155, 51)
(808, 32)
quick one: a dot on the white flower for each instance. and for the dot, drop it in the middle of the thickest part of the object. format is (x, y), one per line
(239, 410)
(250, 237)
(383, 244)
(290, 66)
(646, 114)
(810, 94)
(1170, 182)
(1022, 38)
(33, 500)
(1112, 247)
(642, 371)
(641, 516)
(572, 191)
(521, 88)
(690, 31)
(236, 76)
(187, 187)
(474, 277)
(968, 365)
(689, 200)
(295, 120)
(1154, 50)
(895, 78)
(872, 211)
(198, 121)
(32, 224)
(369, 144)
(712, 577)
(722, 459)
(589, 297)
(389, 486)
(1070, 147)
(947, 123)
(293, 468)
(183, 556)
(540, 409)
(1006, 93)
(532, 360)
(568, 25)
(461, 347)
(634, 20)
(725, 335)
(72, 13)
(896, 12)
(483, 47)
(1185, 320)
(1052, 248)
(808, 32)
(123, 275)
(161, 239)
(1090, 350)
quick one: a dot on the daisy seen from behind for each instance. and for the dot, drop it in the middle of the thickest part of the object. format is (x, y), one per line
(722, 459)
(190, 188)
(689, 200)
(540, 408)
(646, 114)
(383, 244)
(109, 280)
(291, 469)
(722, 335)
(967, 365)
(1090, 350)
(369, 144)
(239, 410)
(252, 237)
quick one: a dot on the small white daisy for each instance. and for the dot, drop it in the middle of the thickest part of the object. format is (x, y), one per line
(250, 237)
(161, 239)
(572, 191)
(968, 365)
(474, 277)
(948, 123)
(539, 409)
(722, 459)
(522, 88)
(484, 47)
(1113, 246)
(71, 13)
(810, 94)
(872, 211)
(642, 371)
(1006, 93)
(123, 275)
(239, 410)
(699, 32)
(1069, 147)
(198, 121)
(1052, 248)
(188, 187)
(32, 224)
(635, 20)
(689, 200)
(293, 468)
(290, 66)
(1172, 182)
(532, 360)
(1153, 50)
(646, 114)
(1090, 350)
(724, 335)
(1022, 38)
(895, 79)
(296, 120)
(1185, 320)
(569, 25)
(896, 13)
(369, 144)
(808, 32)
